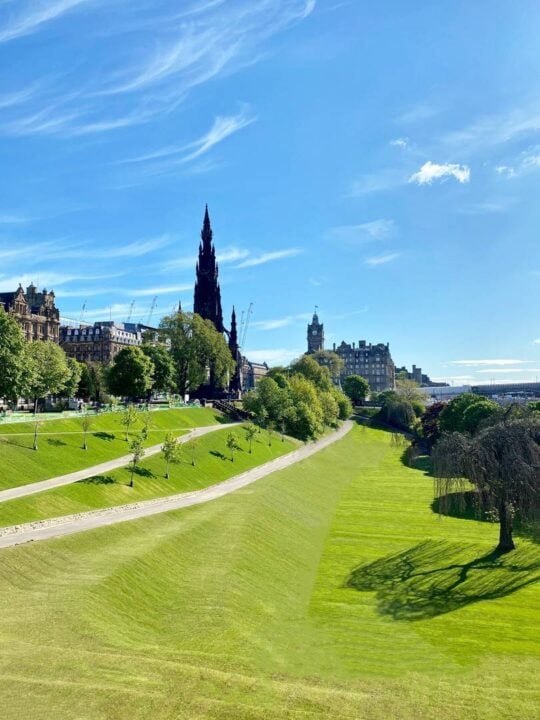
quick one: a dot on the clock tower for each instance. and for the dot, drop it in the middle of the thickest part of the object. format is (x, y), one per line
(315, 334)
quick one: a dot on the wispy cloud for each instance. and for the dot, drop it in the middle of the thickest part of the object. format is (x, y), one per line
(161, 290)
(171, 157)
(34, 14)
(431, 171)
(377, 181)
(498, 361)
(49, 279)
(280, 322)
(363, 232)
(128, 90)
(269, 257)
(226, 255)
(8, 219)
(382, 259)
(508, 370)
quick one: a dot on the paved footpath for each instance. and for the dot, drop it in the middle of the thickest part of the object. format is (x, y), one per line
(69, 524)
(105, 467)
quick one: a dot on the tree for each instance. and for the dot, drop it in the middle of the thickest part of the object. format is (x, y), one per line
(480, 414)
(198, 351)
(163, 379)
(410, 392)
(330, 409)
(312, 371)
(47, 370)
(430, 422)
(171, 451)
(344, 404)
(190, 447)
(92, 381)
(86, 424)
(356, 388)
(233, 444)
(137, 453)
(129, 416)
(75, 373)
(250, 431)
(37, 426)
(330, 360)
(131, 374)
(451, 418)
(502, 462)
(12, 357)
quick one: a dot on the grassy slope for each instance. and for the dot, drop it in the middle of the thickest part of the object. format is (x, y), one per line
(250, 607)
(60, 443)
(213, 464)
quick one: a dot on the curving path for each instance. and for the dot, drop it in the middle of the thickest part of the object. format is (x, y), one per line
(85, 473)
(69, 524)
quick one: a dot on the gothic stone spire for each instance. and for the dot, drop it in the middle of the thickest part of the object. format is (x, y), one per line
(207, 298)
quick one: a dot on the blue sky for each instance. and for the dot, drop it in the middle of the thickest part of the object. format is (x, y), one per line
(378, 159)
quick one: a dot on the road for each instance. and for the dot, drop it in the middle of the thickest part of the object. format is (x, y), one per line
(89, 472)
(70, 524)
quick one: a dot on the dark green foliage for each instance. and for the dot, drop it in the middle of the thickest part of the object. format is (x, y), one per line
(12, 357)
(452, 418)
(131, 374)
(163, 379)
(430, 422)
(356, 388)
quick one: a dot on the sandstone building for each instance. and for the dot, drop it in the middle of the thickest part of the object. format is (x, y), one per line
(372, 362)
(102, 341)
(35, 311)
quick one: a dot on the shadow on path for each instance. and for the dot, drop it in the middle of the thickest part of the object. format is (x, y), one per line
(437, 577)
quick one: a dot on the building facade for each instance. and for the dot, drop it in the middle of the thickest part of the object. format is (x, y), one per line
(372, 362)
(419, 377)
(102, 341)
(35, 311)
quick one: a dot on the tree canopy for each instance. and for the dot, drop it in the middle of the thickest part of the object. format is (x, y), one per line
(164, 371)
(47, 370)
(131, 374)
(355, 387)
(197, 350)
(12, 356)
(503, 463)
(330, 360)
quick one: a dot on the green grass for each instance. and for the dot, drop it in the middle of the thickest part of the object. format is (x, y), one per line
(60, 443)
(328, 590)
(212, 465)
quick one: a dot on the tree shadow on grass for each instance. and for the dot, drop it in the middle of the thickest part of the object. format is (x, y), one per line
(219, 455)
(104, 436)
(97, 480)
(465, 505)
(54, 442)
(437, 577)
(143, 472)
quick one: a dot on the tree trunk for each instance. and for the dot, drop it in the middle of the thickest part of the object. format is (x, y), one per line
(506, 543)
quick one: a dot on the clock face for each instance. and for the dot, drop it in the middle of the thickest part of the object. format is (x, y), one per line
(313, 332)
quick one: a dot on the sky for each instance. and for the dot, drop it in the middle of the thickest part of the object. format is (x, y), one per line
(379, 160)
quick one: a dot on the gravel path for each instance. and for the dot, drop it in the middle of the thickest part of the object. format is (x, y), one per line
(89, 472)
(69, 524)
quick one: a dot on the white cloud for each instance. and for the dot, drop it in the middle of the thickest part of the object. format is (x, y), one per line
(506, 171)
(382, 259)
(35, 14)
(13, 219)
(401, 142)
(508, 370)
(162, 290)
(499, 361)
(280, 322)
(48, 279)
(172, 156)
(373, 230)
(537, 341)
(383, 179)
(269, 257)
(273, 356)
(431, 171)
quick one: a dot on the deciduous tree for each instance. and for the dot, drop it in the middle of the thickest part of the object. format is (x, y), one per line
(12, 357)
(131, 374)
(356, 388)
(47, 370)
(171, 451)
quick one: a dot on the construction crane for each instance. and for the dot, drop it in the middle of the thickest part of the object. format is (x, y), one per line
(83, 313)
(245, 324)
(130, 312)
(152, 308)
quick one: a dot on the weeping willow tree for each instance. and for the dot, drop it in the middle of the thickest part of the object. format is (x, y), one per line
(503, 464)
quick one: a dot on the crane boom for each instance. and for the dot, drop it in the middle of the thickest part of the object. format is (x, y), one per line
(246, 324)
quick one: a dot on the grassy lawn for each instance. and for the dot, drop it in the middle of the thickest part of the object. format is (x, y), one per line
(60, 443)
(212, 465)
(327, 590)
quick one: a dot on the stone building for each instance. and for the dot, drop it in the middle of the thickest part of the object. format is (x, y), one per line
(35, 311)
(373, 362)
(102, 341)
(419, 377)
